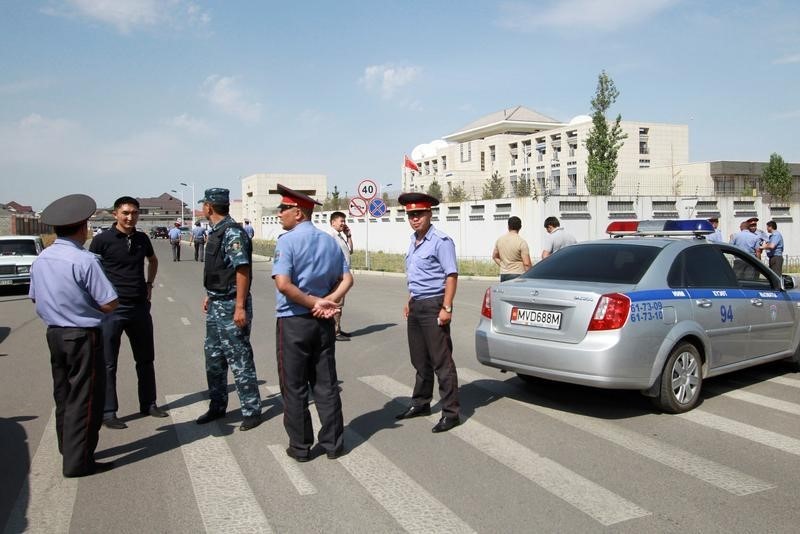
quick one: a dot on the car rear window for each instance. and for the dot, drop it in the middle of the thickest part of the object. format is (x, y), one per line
(17, 247)
(615, 264)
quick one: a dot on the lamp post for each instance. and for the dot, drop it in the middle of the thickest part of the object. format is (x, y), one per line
(181, 194)
(191, 184)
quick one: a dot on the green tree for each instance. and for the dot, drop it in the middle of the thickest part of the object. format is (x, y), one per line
(494, 187)
(776, 178)
(523, 188)
(603, 142)
(333, 202)
(456, 193)
(435, 190)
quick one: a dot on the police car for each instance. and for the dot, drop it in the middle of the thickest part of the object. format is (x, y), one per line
(658, 310)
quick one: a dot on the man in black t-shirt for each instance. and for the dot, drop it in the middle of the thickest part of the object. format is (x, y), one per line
(122, 250)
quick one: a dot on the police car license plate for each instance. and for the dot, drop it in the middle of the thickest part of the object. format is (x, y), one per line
(540, 318)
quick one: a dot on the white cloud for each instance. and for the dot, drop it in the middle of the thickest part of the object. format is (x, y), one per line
(580, 14)
(188, 124)
(129, 15)
(387, 80)
(225, 93)
(792, 58)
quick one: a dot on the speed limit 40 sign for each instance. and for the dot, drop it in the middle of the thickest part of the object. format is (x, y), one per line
(367, 190)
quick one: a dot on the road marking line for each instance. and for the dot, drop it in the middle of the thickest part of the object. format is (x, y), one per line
(782, 380)
(290, 467)
(185, 321)
(743, 430)
(224, 498)
(603, 505)
(718, 475)
(46, 499)
(763, 400)
(170, 299)
(404, 499)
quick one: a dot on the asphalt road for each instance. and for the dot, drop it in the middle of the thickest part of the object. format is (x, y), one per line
(543, 458)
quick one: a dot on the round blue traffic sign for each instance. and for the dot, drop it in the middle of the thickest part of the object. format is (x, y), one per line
(377, 207)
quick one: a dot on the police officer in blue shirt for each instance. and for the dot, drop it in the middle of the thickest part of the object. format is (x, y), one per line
(72, 294)
(227, 276)
(716, 237)
(311, 274)
(774, 248)
(432, 273)
(175, 241)
(747, 239)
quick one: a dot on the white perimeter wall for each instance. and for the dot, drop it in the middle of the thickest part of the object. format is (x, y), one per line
(478, 224)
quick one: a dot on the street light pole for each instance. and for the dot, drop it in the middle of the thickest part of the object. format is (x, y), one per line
(193, 199)
(181, 194)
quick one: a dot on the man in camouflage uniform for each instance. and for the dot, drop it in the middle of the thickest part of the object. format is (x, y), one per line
(229, 313)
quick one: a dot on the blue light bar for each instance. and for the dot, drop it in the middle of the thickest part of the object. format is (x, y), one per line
(666, 228)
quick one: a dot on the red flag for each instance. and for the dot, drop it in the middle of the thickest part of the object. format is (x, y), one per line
(410, 164)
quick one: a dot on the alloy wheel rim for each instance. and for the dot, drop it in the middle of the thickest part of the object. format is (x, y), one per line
(685, 378)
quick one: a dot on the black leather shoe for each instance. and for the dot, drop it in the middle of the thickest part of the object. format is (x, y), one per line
(332, 455)
(415, 411)
(340, 337)
(94, 468)
(210, 415)
(445, 424)
(296, 457)
(113, 422)
(250, 422)
(154, 411)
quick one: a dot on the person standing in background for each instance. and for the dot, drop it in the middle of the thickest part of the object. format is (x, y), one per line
(339, 230)
(511, 252)
(175, 241)
(556, 238)
(774, 248)
(249, 230)
(198, 237)
(716, 237)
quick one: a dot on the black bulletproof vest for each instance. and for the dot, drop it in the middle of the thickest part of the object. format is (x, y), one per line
(216, 276)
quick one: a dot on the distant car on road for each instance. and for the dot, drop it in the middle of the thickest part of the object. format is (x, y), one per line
(17, 253)
(159, 232)
(657, 314)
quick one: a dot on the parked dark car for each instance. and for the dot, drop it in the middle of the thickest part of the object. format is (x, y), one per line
(159, 232)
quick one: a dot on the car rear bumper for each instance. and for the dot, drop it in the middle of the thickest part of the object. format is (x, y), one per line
(601, 359)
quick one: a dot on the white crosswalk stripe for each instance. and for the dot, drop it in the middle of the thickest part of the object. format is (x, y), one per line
(46, 499)
(762, 400)
(743, 430)
(224, 498)
(603, 505)
(782, 380)
(410, 504)
(292, 470)
(706, 470)
(186, 321)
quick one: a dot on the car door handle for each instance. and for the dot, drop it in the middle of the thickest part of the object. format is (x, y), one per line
(757, 302)
(703, 303)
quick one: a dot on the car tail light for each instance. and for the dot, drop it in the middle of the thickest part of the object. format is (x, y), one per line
(611, 312)
(486, 307)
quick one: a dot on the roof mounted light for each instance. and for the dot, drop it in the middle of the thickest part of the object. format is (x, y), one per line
(666, 228)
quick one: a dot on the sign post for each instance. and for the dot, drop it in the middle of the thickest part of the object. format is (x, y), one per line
(367, 190)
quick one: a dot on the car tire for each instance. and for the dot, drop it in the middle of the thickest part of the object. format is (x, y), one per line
(681, 380)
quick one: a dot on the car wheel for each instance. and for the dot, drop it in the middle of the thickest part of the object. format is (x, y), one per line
(681, 380)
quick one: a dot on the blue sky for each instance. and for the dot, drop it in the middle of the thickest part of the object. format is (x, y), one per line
(113, 97)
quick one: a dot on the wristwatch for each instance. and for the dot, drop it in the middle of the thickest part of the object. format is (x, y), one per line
(448, 309)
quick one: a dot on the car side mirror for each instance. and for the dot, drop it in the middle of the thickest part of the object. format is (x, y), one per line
(788, 281)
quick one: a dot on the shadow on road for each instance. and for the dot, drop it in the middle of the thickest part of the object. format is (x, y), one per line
(371, 329)
(14, 468)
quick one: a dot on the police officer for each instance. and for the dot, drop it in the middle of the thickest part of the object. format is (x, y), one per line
(72, 294)
(198, 237)
(747, 238)
(175, 241)
(432, 279)
(122, 250)
(229, 313)
(774, 248)
(311, 275)
(716, 237)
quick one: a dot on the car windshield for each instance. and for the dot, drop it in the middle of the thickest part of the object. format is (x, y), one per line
(17, 247)
(614, 264)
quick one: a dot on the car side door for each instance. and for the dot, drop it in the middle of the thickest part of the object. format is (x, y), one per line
(717, 302)
(770, 309)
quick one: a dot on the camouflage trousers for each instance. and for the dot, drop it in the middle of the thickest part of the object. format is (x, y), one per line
(229, 346)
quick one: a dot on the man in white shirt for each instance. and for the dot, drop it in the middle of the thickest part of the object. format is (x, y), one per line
(556, 238)
(341, 233)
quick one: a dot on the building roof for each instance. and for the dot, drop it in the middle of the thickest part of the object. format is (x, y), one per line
(518, 119)
(164, 201)
(17, 207)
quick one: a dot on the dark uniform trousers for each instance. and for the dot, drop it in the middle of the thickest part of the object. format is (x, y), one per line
(199, 250)
(135, 320)
(305, 348)
(431, 350)
(76, 359)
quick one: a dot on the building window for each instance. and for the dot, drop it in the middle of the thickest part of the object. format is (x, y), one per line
(444, 163)
(644, 163)
(492, 155)
(555, 182)
(466, 151)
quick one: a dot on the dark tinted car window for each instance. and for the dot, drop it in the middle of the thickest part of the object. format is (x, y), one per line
(615, 264)
(17, 247)
(701, 266)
